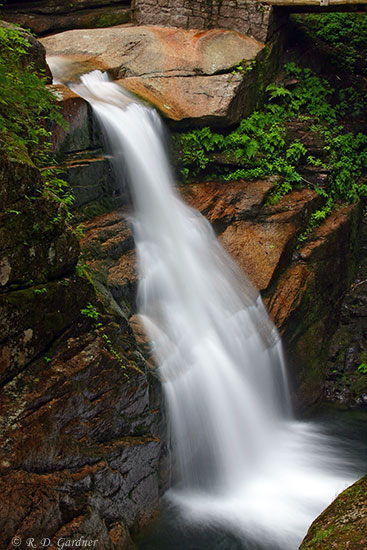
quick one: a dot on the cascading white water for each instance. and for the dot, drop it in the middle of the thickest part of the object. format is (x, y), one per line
(239, 457)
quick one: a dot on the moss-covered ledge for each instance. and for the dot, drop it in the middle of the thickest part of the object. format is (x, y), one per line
(343, 524)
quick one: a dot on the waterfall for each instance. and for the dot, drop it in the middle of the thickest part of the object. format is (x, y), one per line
(239, 457)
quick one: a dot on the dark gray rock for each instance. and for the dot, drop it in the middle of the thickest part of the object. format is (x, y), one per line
(44, 17)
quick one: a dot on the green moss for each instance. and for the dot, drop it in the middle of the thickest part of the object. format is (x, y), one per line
(322, 534)
(343, 524)
(111, 19)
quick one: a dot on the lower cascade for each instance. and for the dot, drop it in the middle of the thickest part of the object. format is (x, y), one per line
(239, 457)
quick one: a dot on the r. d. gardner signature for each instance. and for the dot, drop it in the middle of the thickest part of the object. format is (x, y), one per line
(61, 543)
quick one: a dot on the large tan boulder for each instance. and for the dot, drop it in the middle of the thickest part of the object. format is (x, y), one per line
(154, 51)
(204, 99)
(188, 75)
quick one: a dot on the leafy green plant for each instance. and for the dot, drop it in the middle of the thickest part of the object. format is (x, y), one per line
(40, 290)
(79, 230)
(315, 220)
(25, 103)
(277, 91)
(345, 32)
(90, 312)
(362, 368)
(27, 110)
(244, 67)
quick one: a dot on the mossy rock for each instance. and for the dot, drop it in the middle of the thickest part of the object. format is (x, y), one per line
(35, 243)
(30, 319)
(37, 52)
(17, 179)
(343, 524)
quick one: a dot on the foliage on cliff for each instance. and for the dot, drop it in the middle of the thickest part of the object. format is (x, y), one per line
(345, 33)
(261, 145)
(25, 103)
(27, 108)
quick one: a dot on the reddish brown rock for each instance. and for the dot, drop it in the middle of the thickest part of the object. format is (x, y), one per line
(288, 296)
(141, 337)
(303, 300)
(222, 203)
(334, 225)
(208, 98)
(260, 248)
(108, 248)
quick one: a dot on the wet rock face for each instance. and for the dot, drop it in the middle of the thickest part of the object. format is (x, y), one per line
(44, 16)
(82, 158)
(108, 249)
(343, 524)
(346, 381)
(38, 254)
(81, 132)
(188, 75)
(305, 298)
(80, 417)
(80, 446)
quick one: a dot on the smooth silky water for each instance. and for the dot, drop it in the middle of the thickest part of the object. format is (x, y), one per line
(246, 474)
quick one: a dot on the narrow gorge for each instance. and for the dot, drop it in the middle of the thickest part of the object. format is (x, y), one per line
(265, 125)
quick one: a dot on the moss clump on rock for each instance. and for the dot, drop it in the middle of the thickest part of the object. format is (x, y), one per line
(343, 524)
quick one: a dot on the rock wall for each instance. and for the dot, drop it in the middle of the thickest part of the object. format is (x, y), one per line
(300, 286)
(83, 160)
(44, 16)
(80, 411)
(80, 417)
(346, 374)
(248, 17)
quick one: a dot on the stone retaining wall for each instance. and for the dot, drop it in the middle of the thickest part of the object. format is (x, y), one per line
(248, 17)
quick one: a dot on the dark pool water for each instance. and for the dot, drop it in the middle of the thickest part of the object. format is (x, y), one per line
(171, 532)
